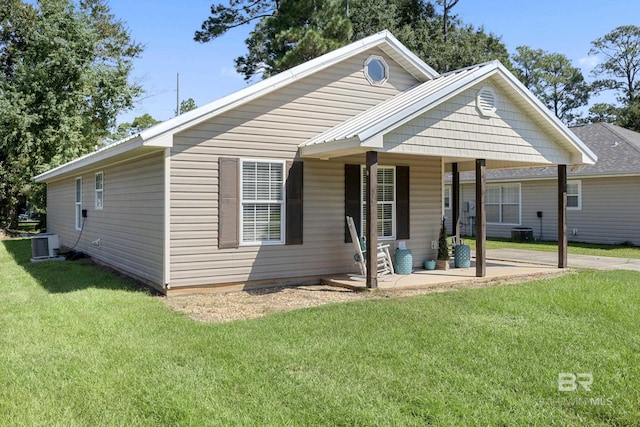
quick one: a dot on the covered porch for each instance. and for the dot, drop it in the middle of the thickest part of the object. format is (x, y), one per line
(470, 120)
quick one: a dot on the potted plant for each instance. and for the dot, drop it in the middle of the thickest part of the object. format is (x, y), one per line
(430, 264)
(443, 249)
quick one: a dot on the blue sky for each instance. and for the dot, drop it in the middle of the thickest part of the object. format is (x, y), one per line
(166, 28)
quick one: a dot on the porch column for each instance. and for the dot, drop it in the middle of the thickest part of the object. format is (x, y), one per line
(372, 219)
(562, 216)
(455, 199)
(481, 219)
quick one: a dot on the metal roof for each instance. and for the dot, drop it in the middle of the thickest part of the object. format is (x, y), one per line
(397, 109)
(367, 127)
(160, 135)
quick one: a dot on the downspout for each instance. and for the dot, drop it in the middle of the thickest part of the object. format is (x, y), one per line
(166, 262)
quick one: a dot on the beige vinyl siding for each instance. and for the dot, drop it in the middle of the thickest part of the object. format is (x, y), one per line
(456, 129)
(609, 211)
(196, 259)
(270, 127)
(130, 226)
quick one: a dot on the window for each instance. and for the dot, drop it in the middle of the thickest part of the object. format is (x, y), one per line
(99, 190)
(386, 201)
(447, 197)
(262, 196)
(376, 70)
(574, 195)
(78, 203)
(503, 204)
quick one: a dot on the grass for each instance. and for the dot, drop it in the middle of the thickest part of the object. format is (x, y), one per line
(82, 347)
(618, 251)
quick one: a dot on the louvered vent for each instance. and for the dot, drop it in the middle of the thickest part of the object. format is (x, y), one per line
(486, 101)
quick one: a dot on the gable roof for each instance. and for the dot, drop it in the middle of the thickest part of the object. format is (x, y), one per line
(617, 148)
(161, 135)
(368, 128)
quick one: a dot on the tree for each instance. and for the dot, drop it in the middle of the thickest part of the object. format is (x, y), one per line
(629, 116)
(447, 5)
(138, 124)
(187, 105)
(300, 30)
(526, 66)
(552, 78)
(290, 32)
(64, 71)
(621, 51)
(602, 112)
(238, 13)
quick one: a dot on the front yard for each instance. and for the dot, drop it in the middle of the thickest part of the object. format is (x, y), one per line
(83, 347)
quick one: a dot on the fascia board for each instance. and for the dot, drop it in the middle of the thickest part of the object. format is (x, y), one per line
(321, 150)
(88, 159)
(585, 155)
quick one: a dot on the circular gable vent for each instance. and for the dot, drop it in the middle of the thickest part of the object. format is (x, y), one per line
(486, 101)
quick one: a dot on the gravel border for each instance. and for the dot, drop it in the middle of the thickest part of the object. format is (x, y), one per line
(213, 307)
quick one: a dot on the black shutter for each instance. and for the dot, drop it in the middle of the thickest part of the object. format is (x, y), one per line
(228, 201)
(402, 202)
(352, 202)
(294, 223)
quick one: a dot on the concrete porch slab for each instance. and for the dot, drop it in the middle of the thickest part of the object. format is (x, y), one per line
(419, 278)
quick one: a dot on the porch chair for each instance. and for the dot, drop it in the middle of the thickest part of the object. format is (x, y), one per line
(385, 264)
(455, 240)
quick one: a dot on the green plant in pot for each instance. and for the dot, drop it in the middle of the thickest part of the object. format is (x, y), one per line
(443, 249)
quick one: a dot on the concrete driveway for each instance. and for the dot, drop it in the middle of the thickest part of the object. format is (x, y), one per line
(551, 258)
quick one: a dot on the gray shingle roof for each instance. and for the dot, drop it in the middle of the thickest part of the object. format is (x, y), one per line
(617, 148)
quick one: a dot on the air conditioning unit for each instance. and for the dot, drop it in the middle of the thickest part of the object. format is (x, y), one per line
(45, 245)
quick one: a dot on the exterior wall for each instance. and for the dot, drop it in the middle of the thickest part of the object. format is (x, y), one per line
(456, 129)
(130, 226)
(196, 259)
(271, 127)
(609, 213)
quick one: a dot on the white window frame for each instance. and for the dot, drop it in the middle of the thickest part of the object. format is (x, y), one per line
(446, 197)
(519, 186)
(99, 194)
(282, 203)
(385, 66)
(578, 195)
(363, 202)
(78, 203)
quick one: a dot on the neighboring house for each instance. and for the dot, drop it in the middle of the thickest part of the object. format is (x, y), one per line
(253, 188)
(603, 199)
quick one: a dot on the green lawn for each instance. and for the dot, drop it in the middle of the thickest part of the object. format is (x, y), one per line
(81, 347)
(619, 251)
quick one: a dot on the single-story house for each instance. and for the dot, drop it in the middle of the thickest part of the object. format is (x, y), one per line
(602, 199)
(254, 188)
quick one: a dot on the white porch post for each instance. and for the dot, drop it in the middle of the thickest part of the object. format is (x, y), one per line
(481, 219)
(372, 219)
(562, 216)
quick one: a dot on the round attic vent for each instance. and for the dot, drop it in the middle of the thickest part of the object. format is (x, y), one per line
(486, 101)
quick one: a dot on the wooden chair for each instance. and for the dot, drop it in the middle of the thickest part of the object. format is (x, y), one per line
(384, 261)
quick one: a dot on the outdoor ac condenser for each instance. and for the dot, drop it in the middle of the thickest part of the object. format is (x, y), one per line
(45, 245)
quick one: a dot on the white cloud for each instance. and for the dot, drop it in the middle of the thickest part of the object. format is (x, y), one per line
(589, 62)
(230, 72)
